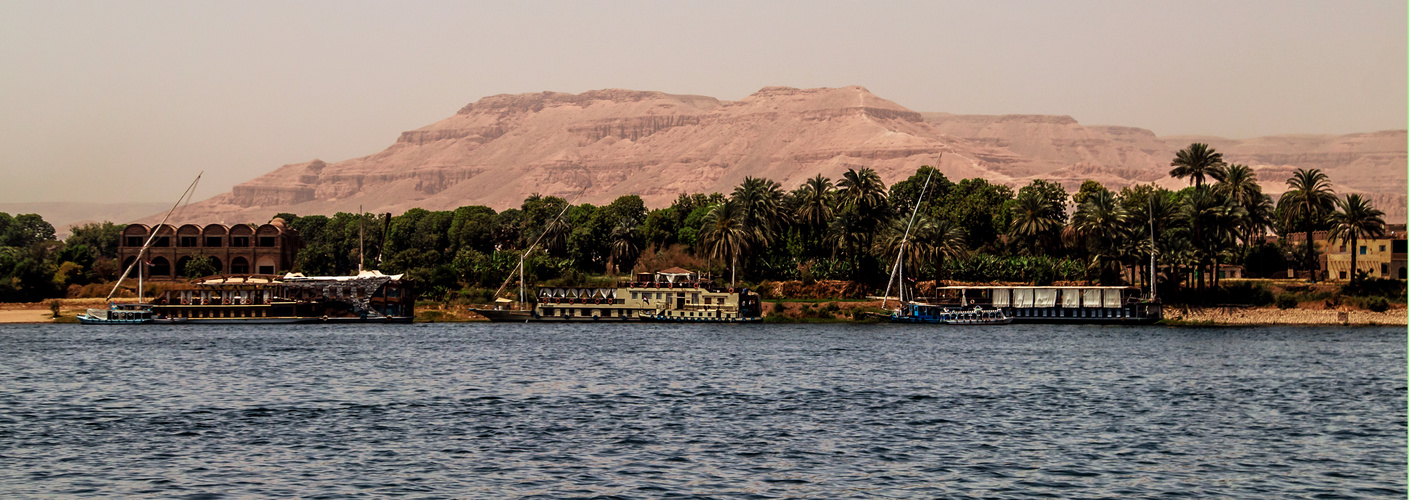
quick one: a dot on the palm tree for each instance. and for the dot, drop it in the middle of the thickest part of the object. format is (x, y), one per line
(814, 199)
(1356, 219)
(725, 235)
(762, 203)
(947, 241)
(917, 247)
(1213, 222)
(1033, 218)
(862, 191)
(625, 243)
(847, 235)
(1197, 162)
(1101, 221)
(1239, 185)
(1308, 198)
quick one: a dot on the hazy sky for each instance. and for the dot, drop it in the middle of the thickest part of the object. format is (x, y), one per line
(126, 101)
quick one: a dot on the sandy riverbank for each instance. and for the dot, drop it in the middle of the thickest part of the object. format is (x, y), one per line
(38, 312)
(1274, 316)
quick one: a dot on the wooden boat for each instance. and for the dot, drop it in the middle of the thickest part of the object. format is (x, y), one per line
(927, 313)
(1084, 304)
(672, 295)
(118, 314)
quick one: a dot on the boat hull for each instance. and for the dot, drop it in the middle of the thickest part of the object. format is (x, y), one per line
(88, 320)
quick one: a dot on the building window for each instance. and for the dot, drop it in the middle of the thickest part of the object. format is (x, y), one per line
(188, 241)
(162, 241)
(134, 241)
(1384, 269)
(1362, 249)
(1342, 248)
(1342, 274)
(212, 241)
(1382, 248)
(266, 241)
(239, 241)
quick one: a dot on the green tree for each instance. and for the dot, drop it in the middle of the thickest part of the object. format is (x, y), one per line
(762, 203)
(1087, 188)
(626, 245)
(198, 266)
(863, 192)
(1038, 216)
(1197, 162)
(815, 204)
(979, 207)
(725, 235)
(1239, 185)
(1101, 222)
(102, 237)
(1309, 199)
(1357, 218)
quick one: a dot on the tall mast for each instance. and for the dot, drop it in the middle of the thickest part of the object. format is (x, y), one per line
(898, 268)
(151, 238)
(361, 248)
(530, 248)
(1152, 246)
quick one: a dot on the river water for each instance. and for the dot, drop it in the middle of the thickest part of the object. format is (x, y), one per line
(727, 411)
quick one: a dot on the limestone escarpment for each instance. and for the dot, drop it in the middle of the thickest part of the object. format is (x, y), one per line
(595, 146)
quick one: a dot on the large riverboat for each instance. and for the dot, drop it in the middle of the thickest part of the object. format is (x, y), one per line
(369, 297)
(1055, 304)
(672, 295)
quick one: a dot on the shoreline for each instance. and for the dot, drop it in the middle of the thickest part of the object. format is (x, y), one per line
(39, 313)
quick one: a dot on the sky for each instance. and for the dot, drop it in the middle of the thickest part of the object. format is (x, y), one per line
(127, 101)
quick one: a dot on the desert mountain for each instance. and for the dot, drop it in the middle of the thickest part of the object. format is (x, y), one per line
(596, 146)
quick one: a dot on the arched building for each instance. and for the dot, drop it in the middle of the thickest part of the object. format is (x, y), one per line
(237, 249)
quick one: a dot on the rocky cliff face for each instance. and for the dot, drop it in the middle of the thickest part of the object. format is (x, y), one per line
(595, 146)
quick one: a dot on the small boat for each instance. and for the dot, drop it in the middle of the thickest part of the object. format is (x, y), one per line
(140, 312)
(118, 314)
(927, 313)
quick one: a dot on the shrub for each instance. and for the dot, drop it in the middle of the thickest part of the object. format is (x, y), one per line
(1247, 293)
(1377, 304)
(1286, 301)
(1374, 287)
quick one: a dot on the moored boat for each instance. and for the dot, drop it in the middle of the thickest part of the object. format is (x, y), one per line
(928, 313)
(1056, 304)
(118, 314)
(368, 297)
(672, 295)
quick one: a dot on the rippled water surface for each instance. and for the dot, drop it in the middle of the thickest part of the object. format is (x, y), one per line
(646, 411)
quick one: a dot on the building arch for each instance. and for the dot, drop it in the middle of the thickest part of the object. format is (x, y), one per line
(160, 266)
(239, 265)
(265, 265)
(268, 236)
(181, 265)
(134, 235)
(188, 236)
(214, 236)
(241, 235)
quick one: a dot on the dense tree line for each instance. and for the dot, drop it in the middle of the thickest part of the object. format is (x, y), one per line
(852, 228)
(34, 265)
(848, 228)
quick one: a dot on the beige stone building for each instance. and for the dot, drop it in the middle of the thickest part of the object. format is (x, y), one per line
(1379, 257)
